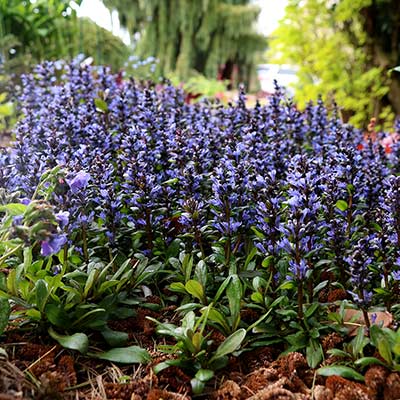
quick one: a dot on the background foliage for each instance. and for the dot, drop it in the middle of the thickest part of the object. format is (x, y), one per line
(212, 37)
(49, 30)
(345, 50)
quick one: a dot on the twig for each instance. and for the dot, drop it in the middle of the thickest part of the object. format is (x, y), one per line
(40, 358)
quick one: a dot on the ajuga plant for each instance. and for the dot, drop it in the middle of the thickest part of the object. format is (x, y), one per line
(294, 205)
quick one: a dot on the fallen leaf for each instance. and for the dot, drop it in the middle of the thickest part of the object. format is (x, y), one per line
(353, 319)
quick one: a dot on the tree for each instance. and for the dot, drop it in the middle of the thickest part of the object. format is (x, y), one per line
(213, 37)
(34, 26)
(345, 50)
(31, 32)
(381, 23)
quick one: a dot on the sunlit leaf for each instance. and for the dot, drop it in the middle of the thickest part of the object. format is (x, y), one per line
(124, 355)
(340, 370)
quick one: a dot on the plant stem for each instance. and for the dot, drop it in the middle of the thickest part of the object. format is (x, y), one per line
(110, 255)
(300, 300)
(366, 318)
(149, 231)
(84, 244)
(65, 260)
(197, 235)
(11, 252)
(349, 216)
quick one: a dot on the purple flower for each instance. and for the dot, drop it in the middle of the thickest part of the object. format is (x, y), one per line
(56, 270)
(62, 218)
(298, 269)
(363, 298)
(17, 220)
(53, 245)
(396, 275)
(79, 181)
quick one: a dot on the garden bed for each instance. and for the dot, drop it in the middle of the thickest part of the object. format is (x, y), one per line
(155, 248)
(37, 369)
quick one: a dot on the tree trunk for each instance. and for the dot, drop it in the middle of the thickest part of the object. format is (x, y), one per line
(394, 92)
(382, 46)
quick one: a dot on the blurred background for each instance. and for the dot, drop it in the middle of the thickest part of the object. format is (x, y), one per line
(346, 51)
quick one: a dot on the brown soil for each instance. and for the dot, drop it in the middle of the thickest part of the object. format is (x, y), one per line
(35, 367)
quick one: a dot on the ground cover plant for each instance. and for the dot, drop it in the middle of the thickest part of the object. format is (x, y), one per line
(197, 239)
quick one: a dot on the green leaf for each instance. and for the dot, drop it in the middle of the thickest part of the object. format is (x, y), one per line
(13, 209)
(221, 289)
(377, 227)
(12, 283)
(77, 341)
(234, 294)
(42, 294)
(5, 310)
(197, 386)
(170, 182)
(92, 318)
(385, 350)
(90, 282)
(204, 375)
(335, 317)
(218, 363)
(366, 361)
(188, 307)
(230, 344)
(258, 233)
(57, 316)
(124, 355)
(359, 342)
(277, 301)
(101, 105)
(311, 310)
(114, 338)
(166, 364)
(375, 333)
(196, 289)
(187, 266)
(27, 258)
(257, 297)
(6, 110)
(314, 354)
(177, 287)
(3, 282)
(287, 285)
(319, 287)
(215, 316)
(106, 285)
(258, 321)
(197, 341)
(342, 205)
(350, 188)
(267, 261)
(297, 340)
(287, 313)
(340, 370)
(34, 314)
(250, 257)
(339, 353)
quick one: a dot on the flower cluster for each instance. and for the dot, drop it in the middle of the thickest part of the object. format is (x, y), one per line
(145, 168)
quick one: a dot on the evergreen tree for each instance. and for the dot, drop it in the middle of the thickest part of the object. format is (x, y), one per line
(214, 37)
